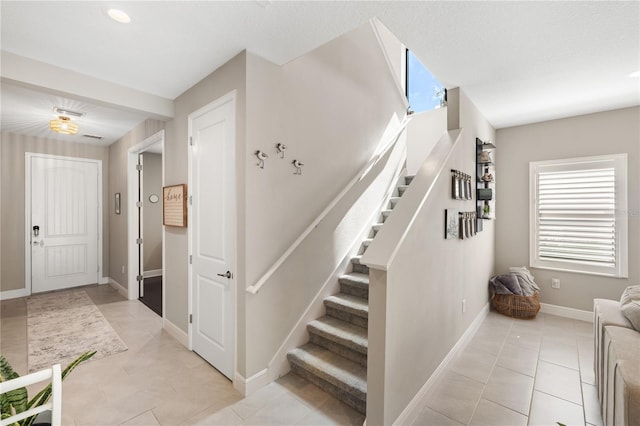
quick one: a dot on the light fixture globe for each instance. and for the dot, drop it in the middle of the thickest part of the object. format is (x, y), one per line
(63, 125)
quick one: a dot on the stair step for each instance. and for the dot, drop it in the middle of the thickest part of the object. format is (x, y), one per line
(402, 189)
(408, 179)
(348, 308)
(355, 284)
(338, 376)
(393, 201)
(385, 214)
(357, 266)
(343, 338)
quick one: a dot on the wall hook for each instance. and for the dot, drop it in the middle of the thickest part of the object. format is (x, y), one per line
(261, 157)
(298, 165)
(280, 147)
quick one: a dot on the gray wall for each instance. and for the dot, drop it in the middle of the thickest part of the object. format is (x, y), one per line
(12, 156)
(610, 132)
(152, 212)
(118, 151)
(231, 76)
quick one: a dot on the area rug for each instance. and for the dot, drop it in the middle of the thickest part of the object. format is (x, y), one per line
(65, 324)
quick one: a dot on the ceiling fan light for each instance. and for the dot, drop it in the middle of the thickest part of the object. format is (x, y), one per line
(63, 125)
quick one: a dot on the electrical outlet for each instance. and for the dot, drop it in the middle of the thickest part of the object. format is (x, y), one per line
(555, 283)
(464, 305)
(123, 269)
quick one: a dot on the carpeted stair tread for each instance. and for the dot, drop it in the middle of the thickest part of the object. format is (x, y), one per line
(356, 278)
(355, 284)
(402, 189)
(341, 332)
(339, 371)
(347, 303)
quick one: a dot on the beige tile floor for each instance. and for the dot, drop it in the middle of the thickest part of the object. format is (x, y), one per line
(512, 372)
(518, 372)
(157, 381)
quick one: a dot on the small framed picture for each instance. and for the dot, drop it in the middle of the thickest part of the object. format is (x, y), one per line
(117, 202)
(451, 223)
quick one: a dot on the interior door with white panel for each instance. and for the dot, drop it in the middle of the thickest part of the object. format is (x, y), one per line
(212, 231)
(63, 222)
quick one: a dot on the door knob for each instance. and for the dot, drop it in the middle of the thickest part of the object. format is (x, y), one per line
(227, 274)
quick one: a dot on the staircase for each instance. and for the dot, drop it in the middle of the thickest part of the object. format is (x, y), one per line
(335, 358)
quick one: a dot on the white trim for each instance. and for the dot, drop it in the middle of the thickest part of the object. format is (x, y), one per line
(411, 411)
(103, 280)
(620, 165)
(14, 294)
(175, 332)
(249, 386)
(132, 224)
(118, 287)
(152, 273)
(563, 311)
(27, 211)
(228, 97)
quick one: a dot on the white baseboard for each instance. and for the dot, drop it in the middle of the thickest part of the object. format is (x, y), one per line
(14, 294)
(119, 287)
(411, 411)
(176, 332)
(152, 273)
(104, 280)
(563, 311)
(248, 386)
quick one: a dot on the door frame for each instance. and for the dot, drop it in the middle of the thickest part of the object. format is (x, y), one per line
(230, 96)
(27, 212)
(132, 215)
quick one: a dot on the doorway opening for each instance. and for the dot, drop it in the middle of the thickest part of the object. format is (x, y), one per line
(145, 230)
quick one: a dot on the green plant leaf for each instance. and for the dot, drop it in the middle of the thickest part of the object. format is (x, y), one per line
(16, 398)
(43, 396)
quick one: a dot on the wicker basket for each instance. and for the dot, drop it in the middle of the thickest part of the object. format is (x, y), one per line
(524, 307)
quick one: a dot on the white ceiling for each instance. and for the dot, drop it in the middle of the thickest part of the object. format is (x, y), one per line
(519, 62)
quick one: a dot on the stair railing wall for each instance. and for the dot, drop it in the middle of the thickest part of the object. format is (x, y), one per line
(425, 291)
(388, 286)
(316, 255)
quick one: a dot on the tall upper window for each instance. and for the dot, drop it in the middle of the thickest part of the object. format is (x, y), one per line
(578, 219)
(424, 91)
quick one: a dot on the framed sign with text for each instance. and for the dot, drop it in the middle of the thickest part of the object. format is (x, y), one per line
(174, 205)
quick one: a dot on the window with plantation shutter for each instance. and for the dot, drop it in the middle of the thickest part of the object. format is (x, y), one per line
(578, 218)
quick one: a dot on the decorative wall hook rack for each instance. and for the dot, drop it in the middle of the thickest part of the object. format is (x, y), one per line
(280, 147)
(298, 165)
(261, 157)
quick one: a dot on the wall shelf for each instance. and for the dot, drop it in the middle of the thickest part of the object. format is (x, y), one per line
(485, 181)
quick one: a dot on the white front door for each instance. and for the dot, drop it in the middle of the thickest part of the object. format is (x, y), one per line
(63, 222)
(212, 231)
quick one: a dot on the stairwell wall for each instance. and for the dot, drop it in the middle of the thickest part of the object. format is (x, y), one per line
(331, 108)
(415, 310)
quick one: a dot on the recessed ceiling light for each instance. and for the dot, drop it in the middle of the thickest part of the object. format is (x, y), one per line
(634, 74)
(119, 16)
